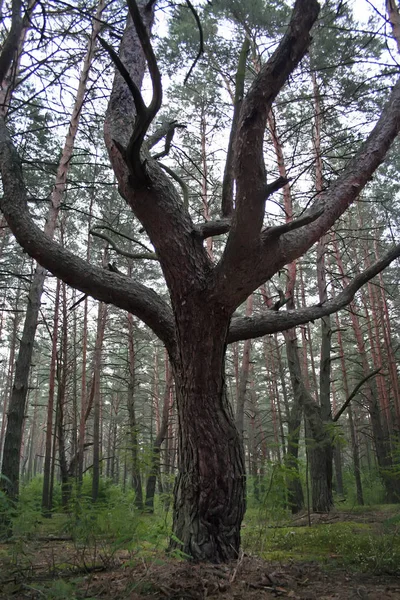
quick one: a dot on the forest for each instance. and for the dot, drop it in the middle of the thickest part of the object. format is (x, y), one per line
(199, 300)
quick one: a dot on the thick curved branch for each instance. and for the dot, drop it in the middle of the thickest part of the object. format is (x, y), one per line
(243, 328)
(101, 284)
(351, 182)
(240, 278)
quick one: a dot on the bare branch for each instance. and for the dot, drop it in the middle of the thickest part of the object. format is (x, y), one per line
(243, 328)
(276, 231)
(354, 393)
(164, 131)
(124, 235)
(118, 250)
(180, 181)
(168, 139)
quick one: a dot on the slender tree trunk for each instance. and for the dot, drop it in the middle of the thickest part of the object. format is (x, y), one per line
(295, 490)
(46, 506)
(62, 402)
(136, 476)
(244, 375)
(337, 453)
(155, 454)
(101, 324)
(10, 375)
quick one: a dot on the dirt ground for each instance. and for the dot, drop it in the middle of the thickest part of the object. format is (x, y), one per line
(249, 579)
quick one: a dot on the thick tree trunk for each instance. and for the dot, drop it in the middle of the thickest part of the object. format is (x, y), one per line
(321, 456)
(209, 500)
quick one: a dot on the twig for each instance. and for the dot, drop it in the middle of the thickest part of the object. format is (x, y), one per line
(238, 565)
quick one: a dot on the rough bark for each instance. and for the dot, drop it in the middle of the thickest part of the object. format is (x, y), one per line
(209, 499)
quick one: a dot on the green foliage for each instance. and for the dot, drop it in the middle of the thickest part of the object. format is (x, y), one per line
(59, 589)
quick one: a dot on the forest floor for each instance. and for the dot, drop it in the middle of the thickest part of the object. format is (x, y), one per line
(344, 555)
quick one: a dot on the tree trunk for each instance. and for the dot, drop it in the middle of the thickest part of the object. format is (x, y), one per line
(209, 500)
(46, 506)
(244, 375)
(133, 428)
(295, 489)
(101, 324)
(61, 403)
(16, 411)
(155, 454)
(10, 374)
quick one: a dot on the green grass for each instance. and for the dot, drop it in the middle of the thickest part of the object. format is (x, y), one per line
(367, 547)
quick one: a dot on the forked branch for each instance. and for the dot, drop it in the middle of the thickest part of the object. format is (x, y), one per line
(143, 121)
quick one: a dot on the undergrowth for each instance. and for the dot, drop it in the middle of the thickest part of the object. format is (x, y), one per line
(100, 534)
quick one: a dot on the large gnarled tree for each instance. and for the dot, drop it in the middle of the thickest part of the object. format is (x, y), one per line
(199, 321)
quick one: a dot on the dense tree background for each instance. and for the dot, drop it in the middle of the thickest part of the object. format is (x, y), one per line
(101, 402)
